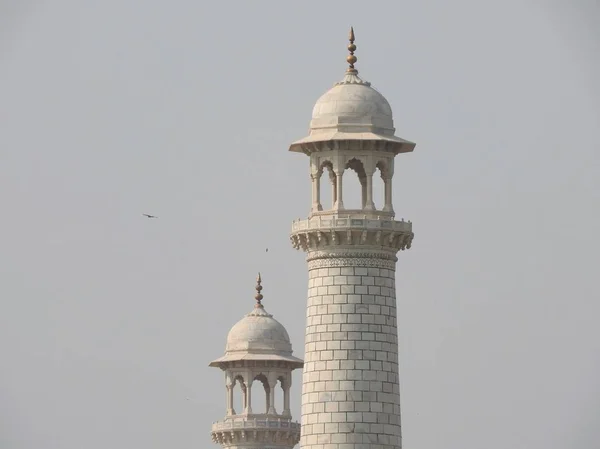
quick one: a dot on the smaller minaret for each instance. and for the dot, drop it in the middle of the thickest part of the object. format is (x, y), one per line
(258, 350)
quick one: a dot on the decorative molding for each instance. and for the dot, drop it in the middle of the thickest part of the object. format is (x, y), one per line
(352, 78)
(320, 238)
(351, 262)
(352, 257)
(233, 432)
(352, 253)
(383, 143)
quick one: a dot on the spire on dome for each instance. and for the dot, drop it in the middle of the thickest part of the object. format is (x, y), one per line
(258, 295)
(351, 48)
(351, 75)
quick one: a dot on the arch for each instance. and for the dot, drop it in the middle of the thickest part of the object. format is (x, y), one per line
(379, 184)
(260, 394)
(355, 194)
(327, 186)
(239, 394)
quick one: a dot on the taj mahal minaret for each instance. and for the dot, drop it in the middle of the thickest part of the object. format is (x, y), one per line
(350, 389)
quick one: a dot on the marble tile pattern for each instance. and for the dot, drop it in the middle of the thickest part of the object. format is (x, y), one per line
(350, 396)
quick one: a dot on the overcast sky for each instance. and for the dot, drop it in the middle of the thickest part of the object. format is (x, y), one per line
(186, 109)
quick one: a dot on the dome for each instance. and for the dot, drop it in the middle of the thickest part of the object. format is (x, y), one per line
(258, 332)
(352, 105)
(350, 111)
(258, 336)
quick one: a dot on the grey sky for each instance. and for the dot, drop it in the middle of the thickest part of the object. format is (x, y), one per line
(186, 109)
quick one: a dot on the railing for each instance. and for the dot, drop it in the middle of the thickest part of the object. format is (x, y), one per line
(351, 221)
(256, 423)
(354, 213)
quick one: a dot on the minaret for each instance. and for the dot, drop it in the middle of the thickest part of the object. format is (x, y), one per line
(258, 350)
(350, 390)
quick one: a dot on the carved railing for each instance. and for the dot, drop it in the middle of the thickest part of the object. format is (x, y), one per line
(349, 222)
(256, 423)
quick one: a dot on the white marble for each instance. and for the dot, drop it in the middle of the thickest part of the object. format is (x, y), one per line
(350, 386)
(258, 349)
(352, 105)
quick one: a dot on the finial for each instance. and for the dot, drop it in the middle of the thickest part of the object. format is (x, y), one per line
(351, 48)
(258, 295)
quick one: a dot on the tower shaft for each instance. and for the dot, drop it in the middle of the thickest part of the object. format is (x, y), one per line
(350, 391)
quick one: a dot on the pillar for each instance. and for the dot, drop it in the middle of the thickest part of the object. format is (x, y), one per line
(339, 202)
(267, 397)
(248, 403)
(369, 205)
(363, 191)
(388, 195)
(271, 405)
(286, 398)
(332, 179)
(316, 191)
(230, 410)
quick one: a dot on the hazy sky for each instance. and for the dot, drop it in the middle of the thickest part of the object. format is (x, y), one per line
(185, 109)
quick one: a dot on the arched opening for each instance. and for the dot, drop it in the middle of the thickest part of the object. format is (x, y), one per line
(239, 395)
(354, 185)
(327, 185)
(260, 394)
(379, 185)
(279, 395)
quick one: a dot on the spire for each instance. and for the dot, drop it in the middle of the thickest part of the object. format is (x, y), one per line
(351, 48)
(258, 295)
(351, 75)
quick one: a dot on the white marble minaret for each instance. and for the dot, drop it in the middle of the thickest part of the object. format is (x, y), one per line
(258, 350)
(350, 390)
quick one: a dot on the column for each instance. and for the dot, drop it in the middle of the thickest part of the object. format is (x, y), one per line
(369, 205)
(271, 405)
(388, 195)
(286, 399)
(230, 410)
(248, 395)
(267, 397)
(316, 192)
(339, 202)
(332, 179)
(363, 192)
(244, 398)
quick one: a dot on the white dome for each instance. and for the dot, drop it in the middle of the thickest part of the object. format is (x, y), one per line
(352, 111)
(258, 333)
(258, 337)
(352, 105)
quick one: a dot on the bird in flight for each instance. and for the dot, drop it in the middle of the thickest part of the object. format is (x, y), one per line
(149, 216)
